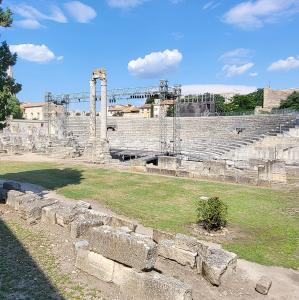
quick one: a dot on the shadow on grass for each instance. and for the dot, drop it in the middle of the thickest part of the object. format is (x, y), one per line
(48, 178)
(20, 276)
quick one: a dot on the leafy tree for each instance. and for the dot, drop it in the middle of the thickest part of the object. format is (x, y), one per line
(243, 103)
(9, 105)
(170, 111)
(220, 104)
(292, 101)
(5, 17)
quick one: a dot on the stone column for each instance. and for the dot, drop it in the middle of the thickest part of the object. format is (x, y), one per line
(104, 109)
(92, 102)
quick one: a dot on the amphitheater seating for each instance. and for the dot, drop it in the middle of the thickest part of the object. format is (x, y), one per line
(201, 138)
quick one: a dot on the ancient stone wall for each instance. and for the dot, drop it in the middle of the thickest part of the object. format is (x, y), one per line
(110, 249)
(273, 98)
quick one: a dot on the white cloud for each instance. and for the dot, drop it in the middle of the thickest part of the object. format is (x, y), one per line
(125, 3)
(80, 12)
(285, 64)
(34, 53)
(234, 70)
(28, 24)
(211, 5)
(155, 63)
(217, 89)
(254, 74)
(254, 14)
(236, 56)
(31, 13)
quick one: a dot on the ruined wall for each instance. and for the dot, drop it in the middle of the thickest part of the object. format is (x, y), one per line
(110, 249)
(273, 98)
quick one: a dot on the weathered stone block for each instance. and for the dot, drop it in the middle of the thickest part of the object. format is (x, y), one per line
(95, 265)
(263, 285)
(12, 198)
(49, 214)
(82, 223)
(125, 248)
(33, 209)
(11, 185)
(66, 214)
(167, 249)
(149, 285)
(159, 236)
(83, 204)
(218, 262)
(186, 242)
(83, 245)
(120, 222)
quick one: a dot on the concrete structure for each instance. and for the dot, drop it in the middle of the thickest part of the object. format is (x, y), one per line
(145, 111)
(273, 98)
(40, 110)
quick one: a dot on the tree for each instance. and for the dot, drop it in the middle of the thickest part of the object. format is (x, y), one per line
(9, 105)
(243, 103)
(5, 17)
(292, 102)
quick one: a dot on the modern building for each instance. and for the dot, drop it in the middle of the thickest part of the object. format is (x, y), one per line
(40, 110)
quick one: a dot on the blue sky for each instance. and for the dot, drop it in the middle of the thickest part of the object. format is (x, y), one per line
(212, 45)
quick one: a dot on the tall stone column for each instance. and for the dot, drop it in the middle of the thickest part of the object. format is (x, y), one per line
(104, 109)
(92, 102)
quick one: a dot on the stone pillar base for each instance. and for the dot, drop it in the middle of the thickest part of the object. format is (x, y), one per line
(97, 152)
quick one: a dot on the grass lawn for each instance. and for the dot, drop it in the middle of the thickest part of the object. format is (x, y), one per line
(267, 220)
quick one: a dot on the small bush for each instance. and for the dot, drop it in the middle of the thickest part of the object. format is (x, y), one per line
(212, 213)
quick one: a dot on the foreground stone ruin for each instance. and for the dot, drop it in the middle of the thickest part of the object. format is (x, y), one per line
(109, 248)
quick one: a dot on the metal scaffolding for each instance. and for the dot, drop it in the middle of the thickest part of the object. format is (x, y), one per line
(161, 92)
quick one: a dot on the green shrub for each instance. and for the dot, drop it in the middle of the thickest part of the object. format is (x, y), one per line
(212, 213)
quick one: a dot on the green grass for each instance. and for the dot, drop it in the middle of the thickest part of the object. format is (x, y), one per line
(267, 233)
(30, 271)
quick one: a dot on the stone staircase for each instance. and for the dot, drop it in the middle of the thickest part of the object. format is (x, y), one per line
(204, 138)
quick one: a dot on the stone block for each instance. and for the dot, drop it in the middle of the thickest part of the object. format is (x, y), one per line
(32, 210)
(123, 247)
(120, 222)
(83, 245)
(217, 263)
(149, 285)
(83, 204)
(82, 223)
(12, 198)
(95, 265)
(66, 214)
(11, 185)
(167, 249)
(49, 214)
(263, 285)
(186, 242)
(159, 236)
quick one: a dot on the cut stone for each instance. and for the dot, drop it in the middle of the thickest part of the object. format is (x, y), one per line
(167, 249)
(32, 210)
(81, 245)
(83, 204)
(159, 236)
(11, 185)
(125, 248)
(217, 263)
(95, 265)
(49, 214)
(186, 242)
(66, 215)
(120, 222)
(263, 285)
(149, 285)
(12, 198)
(82, 223)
